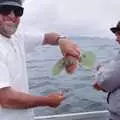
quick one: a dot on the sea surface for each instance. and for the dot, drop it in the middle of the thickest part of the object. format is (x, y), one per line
(79, 95)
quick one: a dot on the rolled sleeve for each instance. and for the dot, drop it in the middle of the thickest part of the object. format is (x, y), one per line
(32, 39)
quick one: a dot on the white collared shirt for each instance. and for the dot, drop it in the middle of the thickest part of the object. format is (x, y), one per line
(13, 70)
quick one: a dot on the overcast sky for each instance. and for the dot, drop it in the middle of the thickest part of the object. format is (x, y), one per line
(72, 17)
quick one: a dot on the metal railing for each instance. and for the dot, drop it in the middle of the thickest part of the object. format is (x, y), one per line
(96, 115)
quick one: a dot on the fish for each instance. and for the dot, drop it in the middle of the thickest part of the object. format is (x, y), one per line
(87, 61)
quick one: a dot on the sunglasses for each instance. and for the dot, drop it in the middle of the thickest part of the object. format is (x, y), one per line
(6, 10)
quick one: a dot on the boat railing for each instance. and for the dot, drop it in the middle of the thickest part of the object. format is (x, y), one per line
(95, 115)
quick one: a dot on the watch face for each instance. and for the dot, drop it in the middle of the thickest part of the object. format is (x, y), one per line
(62, 36)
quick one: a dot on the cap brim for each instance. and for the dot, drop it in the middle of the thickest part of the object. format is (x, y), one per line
(115, 29)
(11, 4)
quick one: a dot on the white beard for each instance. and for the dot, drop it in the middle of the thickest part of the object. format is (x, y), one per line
(9, 28)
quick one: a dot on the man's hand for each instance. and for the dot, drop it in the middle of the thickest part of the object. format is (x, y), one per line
(68, 47)
(55, 99)
(70, 51)
(97, 87)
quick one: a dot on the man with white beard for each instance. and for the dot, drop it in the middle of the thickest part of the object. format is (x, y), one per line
(15, 101)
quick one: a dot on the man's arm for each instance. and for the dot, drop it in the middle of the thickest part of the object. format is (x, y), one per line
(67, 46)
(10, 98)
(109, 78)
(51, 38)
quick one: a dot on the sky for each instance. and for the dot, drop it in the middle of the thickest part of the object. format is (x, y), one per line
(72, 17)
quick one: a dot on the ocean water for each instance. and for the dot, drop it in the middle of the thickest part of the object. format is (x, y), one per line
(79, 95)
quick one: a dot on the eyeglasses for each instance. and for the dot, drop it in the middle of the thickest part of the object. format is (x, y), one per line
(6, 9)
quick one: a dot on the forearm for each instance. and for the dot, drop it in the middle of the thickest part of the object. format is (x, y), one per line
(10, 98)
(52, 39)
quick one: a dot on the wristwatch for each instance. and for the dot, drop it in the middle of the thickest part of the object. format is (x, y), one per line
(61, 38)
